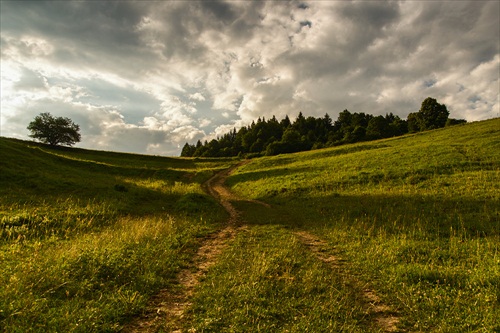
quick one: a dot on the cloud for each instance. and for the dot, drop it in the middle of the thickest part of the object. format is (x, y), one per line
(167, 72)
(197, 97)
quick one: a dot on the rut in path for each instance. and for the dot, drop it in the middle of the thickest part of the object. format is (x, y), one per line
(166, 309)
(381, 313)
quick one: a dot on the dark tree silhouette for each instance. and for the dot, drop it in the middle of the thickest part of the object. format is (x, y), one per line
(272, 137)
(431, 115)
(54, 131)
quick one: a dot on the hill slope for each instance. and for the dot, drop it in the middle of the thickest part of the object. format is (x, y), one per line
(87, 237)
(403, 230)
(416, 219)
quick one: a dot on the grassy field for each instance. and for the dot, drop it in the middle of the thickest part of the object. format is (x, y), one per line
(416, 219)
(87, 237)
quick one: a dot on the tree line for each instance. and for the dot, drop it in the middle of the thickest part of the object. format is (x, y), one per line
(273, 137)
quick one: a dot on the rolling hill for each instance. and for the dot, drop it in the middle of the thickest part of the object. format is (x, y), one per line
(400, 234)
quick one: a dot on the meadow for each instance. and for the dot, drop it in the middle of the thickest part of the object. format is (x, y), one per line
(87, 237)
(415, 219)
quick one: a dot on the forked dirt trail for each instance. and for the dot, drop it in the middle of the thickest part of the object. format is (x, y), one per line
(166, 309)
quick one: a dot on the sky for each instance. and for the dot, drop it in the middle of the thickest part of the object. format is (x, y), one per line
(148, 76)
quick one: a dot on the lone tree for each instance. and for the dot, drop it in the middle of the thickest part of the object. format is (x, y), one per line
(430, 116)
(54, 131)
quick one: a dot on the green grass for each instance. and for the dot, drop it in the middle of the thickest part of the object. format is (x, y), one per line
(87, 237)
(416, 218)
(268, 282)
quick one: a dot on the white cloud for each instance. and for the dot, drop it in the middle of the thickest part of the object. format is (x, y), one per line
(197, 97)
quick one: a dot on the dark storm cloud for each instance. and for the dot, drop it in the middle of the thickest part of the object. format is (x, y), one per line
(222, 11)
(94, 35)
(357, 26)
(469, 28)
(370, 14)
(99, 24)
(73, 18)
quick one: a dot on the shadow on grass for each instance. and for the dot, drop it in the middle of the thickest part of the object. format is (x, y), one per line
(69, 217)
(426, 216)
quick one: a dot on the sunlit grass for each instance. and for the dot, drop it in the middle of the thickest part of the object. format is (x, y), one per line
(87, 237)
(417, 218)
(95, 281)
(268, 282)
(63, 218)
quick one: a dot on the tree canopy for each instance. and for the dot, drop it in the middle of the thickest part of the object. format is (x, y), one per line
(431, 115)
(273, 137)
(54, 131)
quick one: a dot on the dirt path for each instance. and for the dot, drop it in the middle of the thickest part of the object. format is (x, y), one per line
(382, 314)
(166, 309)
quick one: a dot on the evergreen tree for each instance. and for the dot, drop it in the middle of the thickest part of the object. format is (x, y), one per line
(188, 150)
(285, 123)
(271, 137)
(378, 128)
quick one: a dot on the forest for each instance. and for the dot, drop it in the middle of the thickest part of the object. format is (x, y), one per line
(273, 137)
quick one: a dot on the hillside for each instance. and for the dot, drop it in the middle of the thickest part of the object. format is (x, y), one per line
(460, 162)
(415, 219)
(400, 234)
(87, 237)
